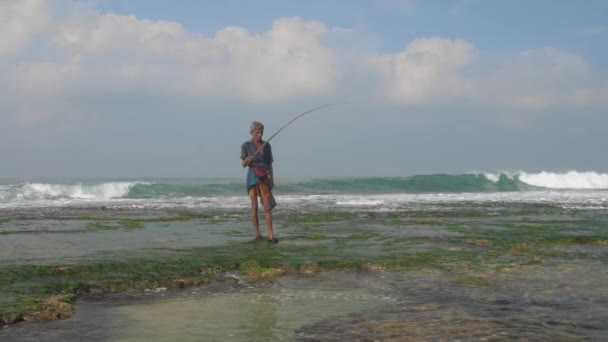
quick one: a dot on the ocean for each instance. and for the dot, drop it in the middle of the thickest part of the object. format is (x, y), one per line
(482, 255)
(572, 190)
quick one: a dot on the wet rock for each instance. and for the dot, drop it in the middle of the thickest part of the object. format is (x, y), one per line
(5, 322)
(52, 308)
(372, 266)
(310, 267)
(234, 274)
(184, 282)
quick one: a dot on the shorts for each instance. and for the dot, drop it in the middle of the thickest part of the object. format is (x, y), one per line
(263, 191)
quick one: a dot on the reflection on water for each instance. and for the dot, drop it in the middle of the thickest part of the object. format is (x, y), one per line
(260, 315)
(553, 303)
(225, 313)
(529, 303)
(48, 242)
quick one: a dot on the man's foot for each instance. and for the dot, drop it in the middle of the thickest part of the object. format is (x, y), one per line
(258, 238)
(273, 240)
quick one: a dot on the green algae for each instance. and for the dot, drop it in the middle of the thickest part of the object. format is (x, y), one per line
(131, 224)
(37, 308)
(251, 259)
(584, 239)
(361, 236)
(254, 271)
(314, 237)
(332, 243)
(101, 226)
(235, 232)
(255, 262)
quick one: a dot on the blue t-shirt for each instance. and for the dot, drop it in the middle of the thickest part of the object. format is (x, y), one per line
(261, 159)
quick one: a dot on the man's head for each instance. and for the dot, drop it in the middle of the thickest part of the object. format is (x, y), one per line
(257, 130)
(256, 126)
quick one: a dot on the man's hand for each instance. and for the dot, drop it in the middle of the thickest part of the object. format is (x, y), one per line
(247, 161)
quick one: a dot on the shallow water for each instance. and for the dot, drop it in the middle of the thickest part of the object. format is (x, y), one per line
(474, 266)
(239, 312)
(537, 303)
(46, 242)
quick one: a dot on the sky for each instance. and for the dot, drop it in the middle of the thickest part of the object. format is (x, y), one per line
(151, 88)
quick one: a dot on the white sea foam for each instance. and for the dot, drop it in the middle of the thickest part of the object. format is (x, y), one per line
(495, 177)
(333, 202)
(570, 190)
(360, 202)
(104, 191)
(553, 180)
(569, 180)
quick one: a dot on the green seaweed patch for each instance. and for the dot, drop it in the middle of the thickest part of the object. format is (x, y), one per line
(361, 236)
(310, 267)
(335, 264)
(310, 219)
(480, 242)
(131, 224)
(108, 225)
(314, 237)
(477, 281)
(38, 308)
(503, 250)
(583, 240)
(427, 222)
(391, 240)
(253, 271)
(101, 226)
(516, 235)
(88, 218)
(235, 232)
(177, 218)
(395, 222)
(374, 266)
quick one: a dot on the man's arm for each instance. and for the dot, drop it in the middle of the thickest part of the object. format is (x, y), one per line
(245, 160)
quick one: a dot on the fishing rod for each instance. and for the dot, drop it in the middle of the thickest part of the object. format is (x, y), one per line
(294, 119)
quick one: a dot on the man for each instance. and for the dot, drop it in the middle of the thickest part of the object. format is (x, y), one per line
(257, 155)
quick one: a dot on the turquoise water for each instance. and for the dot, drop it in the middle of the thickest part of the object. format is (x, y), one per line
(54, 197)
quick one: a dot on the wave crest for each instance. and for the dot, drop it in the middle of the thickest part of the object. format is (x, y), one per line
(569, 180)
(104, 191)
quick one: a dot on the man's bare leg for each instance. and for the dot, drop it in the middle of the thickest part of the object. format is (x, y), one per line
(254, 212)
(268, 216)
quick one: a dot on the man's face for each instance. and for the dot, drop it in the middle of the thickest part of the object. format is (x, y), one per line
(257, 134)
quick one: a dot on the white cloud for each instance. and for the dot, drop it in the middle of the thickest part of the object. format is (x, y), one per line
(95, 54)
(591, 96)
(537, 79)
(86, 53)
(432, 70)
(288, 60)
(427, 68)
(20, 21)
(45, 78)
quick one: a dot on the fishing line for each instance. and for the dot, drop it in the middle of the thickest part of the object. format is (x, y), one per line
(294, 119)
